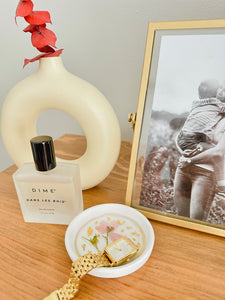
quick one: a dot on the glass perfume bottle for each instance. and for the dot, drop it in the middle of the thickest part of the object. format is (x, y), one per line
(48, 193)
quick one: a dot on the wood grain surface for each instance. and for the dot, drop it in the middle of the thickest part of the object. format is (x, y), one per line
(184, 264)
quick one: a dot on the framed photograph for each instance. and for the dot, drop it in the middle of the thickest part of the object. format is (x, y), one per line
(177, 166)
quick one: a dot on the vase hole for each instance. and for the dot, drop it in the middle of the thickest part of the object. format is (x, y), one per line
(57, 124)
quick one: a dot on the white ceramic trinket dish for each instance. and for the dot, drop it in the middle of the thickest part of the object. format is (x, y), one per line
(100, 225)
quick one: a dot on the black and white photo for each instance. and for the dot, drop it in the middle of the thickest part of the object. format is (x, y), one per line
(180, 163)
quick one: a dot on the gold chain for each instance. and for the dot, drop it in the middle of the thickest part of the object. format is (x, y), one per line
(79, 268)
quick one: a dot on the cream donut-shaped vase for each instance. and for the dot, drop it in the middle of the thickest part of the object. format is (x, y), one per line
(53, 87)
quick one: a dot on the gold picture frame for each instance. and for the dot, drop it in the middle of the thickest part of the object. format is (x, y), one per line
(174, 50)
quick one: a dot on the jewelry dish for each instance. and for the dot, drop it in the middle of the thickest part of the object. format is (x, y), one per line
(96, 227)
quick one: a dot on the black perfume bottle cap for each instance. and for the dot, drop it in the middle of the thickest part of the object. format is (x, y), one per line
(43, 152)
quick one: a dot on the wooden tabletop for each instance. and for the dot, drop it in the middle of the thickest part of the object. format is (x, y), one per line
(184, 264)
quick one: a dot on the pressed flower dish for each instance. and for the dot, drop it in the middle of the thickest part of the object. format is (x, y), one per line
(100, 225)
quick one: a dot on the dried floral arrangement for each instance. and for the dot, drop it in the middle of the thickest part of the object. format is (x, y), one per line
(99, 232)
(42, 38)
(104, 228)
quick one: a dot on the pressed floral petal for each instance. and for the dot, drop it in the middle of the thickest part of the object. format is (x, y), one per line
(114, 224)
(38, 17)
(43, 37)
(24, 8)
(114, 236)
(90, 231)
(120, 222)
(102, 228)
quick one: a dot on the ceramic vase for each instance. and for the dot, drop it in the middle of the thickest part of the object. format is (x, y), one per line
(53, 87)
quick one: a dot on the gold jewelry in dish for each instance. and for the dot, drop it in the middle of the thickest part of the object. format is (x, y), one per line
(113, 255)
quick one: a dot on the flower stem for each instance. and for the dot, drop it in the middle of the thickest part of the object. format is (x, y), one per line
(93, 241)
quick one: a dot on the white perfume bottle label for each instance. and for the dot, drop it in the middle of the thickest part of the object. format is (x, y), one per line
(43, 201)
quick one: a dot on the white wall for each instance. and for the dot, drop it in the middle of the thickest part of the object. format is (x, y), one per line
(103, 41)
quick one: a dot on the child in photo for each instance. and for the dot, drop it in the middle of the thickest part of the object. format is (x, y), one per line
(202, 128)
(198, 173)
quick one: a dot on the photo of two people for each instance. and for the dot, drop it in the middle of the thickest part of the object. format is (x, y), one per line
(184, 163)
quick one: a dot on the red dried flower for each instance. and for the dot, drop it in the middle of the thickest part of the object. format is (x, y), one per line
(24, 8)
(30, 28)
(41, 37)
(46, 49)
(38, 18)
(53, 54)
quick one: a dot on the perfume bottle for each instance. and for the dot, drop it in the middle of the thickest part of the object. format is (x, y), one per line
(48, 193)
